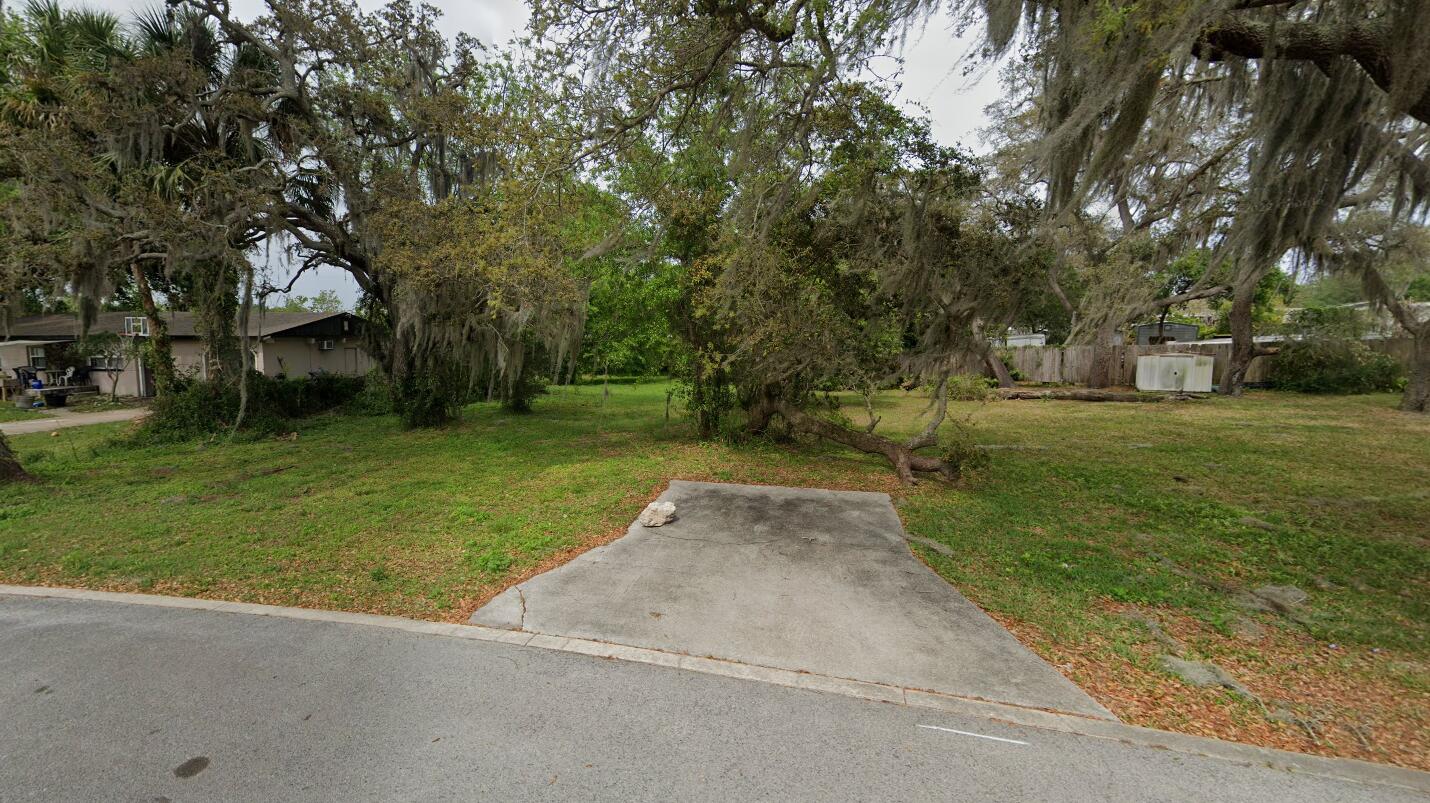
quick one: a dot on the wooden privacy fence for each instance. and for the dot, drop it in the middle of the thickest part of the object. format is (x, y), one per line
(1073, 364)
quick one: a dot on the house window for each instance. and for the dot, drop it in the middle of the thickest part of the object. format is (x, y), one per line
(105, 362)
(37, 357)
(325, 345)
(136, 325)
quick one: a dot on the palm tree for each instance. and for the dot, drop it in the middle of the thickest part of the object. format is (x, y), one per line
(144, 112)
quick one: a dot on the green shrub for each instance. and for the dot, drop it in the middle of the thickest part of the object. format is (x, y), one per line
(1332, 365)
(432, 397)
(971, 387)
(375, 398)
(199, 408)
(1325, 354)
(960, 451)
(518, 394)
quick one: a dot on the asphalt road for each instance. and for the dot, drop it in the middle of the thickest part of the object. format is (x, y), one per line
(111, 701)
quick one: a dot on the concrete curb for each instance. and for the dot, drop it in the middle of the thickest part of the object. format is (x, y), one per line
(1339, 768)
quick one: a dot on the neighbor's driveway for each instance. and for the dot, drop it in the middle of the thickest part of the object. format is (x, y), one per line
(792, 578)
(60, 418)
(118, 701)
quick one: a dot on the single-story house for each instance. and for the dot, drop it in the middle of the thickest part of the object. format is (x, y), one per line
(292, 344)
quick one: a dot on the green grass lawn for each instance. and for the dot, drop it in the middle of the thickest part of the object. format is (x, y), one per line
(9, 412)
(1088, 512)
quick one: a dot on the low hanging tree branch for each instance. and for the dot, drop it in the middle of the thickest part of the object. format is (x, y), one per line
(900, 456)
(1368, 43)
(939, 407)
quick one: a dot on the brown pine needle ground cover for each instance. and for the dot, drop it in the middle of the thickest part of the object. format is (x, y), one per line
(1092, 521)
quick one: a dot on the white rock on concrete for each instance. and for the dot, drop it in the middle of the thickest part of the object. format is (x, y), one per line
(657, 514)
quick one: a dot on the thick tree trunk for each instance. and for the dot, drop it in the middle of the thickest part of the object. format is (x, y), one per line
(1417, 390)
(10, 470)
(216, 307)
(1243, 343)
(899, 455)
(245, 355)
(1103, 373)
(999, 368)
(991, 359)
(708, 396)
(161, 354)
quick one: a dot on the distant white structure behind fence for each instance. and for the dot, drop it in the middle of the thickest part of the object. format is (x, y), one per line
(1073, 364)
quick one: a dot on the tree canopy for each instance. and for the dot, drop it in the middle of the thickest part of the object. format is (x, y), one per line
(721, 189)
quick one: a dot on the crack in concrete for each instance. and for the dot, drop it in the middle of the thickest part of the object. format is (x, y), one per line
(521, 623)
(718, 541)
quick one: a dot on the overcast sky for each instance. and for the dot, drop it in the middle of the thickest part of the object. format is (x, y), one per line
(931, 78)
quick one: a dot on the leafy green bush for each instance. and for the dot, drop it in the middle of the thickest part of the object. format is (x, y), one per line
(960, 451)
(431, 397)
(375, 398)
(199, 408)
(1325, 365)
(1327, 355)
(518, 394)
(971, 387)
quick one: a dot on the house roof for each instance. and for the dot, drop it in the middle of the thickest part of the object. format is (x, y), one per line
(65, 326)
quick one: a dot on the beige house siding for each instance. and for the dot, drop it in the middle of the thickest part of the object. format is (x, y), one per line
(188, 357)
(297, 357)
(294, 349)
(12, 357)
(128, 380)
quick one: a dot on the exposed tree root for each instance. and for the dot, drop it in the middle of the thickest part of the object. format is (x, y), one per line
(900, 455)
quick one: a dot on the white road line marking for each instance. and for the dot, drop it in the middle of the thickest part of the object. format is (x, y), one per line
(979, 735)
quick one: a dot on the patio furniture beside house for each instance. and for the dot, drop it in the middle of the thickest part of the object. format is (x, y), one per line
(55, 377)
(54, 390)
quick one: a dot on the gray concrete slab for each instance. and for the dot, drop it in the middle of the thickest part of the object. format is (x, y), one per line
(64, 418)
(800, 579)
